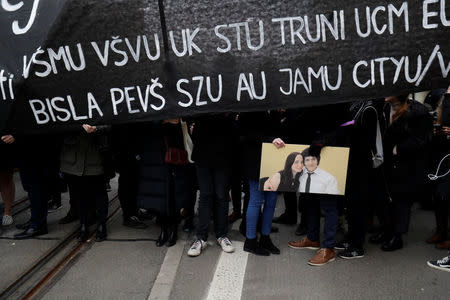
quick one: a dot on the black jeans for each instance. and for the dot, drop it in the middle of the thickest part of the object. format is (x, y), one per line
(87, 190)
(358, 215)
(398, 214)
(214, 183)
(128, 185)
(36, 181)
(360, 189)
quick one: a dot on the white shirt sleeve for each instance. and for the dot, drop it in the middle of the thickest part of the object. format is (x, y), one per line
(332, 186)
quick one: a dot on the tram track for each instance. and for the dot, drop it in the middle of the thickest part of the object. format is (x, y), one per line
(18, 207)
(21, 288)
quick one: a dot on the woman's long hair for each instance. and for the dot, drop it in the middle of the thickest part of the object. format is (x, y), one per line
(287, 171)
(403, 108)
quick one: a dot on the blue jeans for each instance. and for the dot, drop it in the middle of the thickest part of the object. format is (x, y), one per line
(257, 198)
(314, 203)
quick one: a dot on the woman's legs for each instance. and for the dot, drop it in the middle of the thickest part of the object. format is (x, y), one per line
(8, 190)
(270, 201)
(254, 208)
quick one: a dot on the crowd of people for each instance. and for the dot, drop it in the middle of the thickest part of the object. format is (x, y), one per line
(396, 144)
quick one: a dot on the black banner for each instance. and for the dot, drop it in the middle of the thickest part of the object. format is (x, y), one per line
(101, 62)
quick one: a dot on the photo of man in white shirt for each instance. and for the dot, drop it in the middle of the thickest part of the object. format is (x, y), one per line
(315, 180)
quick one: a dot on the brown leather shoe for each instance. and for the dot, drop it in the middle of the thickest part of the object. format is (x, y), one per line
(436, 238)
(323, 256)
(304, 243)
(443, 245)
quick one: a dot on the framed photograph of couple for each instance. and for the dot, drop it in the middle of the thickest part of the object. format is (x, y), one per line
(299, 168)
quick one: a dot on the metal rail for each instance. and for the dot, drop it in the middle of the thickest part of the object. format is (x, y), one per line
(51, 254)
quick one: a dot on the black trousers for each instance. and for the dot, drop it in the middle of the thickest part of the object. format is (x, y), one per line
(357, 215)
(398, 214)
(442, 213)
(246, 191)
(128, 185)
(36, 181)
(213, 183)
(361, 186)
(236, 193)
(291, 203)
(87, 190)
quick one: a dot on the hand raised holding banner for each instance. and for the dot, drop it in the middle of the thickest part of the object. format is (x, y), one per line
(278, 143)
(89, 128)
(8, 139)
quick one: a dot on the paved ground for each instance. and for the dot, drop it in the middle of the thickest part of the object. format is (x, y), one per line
(122, 269)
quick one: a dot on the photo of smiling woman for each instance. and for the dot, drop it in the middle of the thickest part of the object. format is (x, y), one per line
(286, 180)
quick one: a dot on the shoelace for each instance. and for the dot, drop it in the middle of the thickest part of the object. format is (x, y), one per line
(323, 252)
(196, 244)
(226, 241)
(444, 260)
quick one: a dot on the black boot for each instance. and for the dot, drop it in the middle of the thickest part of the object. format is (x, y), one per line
(163, 237)
(84, 233)
(393, 244)
(252, 246)
(101, 233)
(266, 243)
(172, 236)
(380, 238)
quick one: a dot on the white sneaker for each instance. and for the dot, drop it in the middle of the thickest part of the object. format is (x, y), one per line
(197, 247)
(226, 244)
(7, 220)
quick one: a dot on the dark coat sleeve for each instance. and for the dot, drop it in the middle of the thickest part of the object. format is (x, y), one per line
(418, 133)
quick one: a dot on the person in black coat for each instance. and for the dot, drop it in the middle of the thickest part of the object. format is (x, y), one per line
(440, 158)
(306, 126)
(406, 138)
(37, 159)
(258, 127)
(125, 142)
(213, 155)
(163, 188)
(361, 133)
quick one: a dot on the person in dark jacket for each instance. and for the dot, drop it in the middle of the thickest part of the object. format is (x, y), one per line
(440, 157)
(84, 164)
(213, 155)
(305, 126)
(237, 186)
(321, 131)
(257, 128)
(361, 132)
(125, 147)
(163, 187)
(406, 138)
(38, 159)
